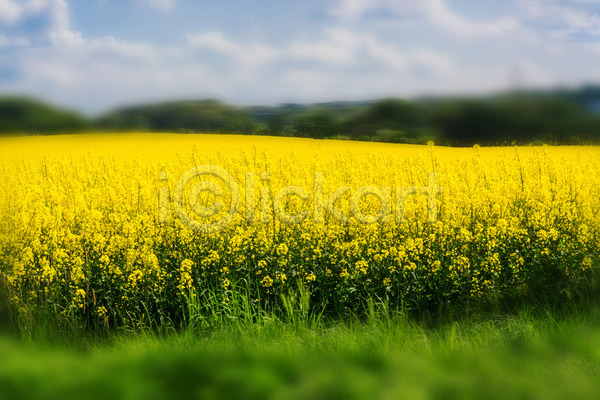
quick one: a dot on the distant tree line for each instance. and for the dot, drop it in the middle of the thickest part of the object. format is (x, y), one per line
(181, 117)
(558, 117)
(20, 115)
(457, 122)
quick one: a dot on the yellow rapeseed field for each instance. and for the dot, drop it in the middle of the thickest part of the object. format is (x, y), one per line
(140, 229)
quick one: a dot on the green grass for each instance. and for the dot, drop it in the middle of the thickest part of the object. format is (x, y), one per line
(520, 356)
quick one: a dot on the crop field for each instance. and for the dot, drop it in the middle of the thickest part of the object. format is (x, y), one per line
(150, 231)
(263, 267)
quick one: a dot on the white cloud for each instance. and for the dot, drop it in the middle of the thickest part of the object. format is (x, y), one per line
(571, 18)
(126, 50)
(10, 11)
(55, 11)
(60, 32)
(353, 9)
(300, 77)
(247, 54)
(161, 4)
(434, 11)
(106, 71)
(595, 48)
(338, 46)
(13, 41)
(347, 50)
(386, 54)
(439, 15)
(214, 41)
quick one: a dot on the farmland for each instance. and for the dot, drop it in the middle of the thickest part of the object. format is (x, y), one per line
(166, 234)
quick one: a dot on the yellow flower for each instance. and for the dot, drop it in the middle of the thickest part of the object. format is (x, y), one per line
(79, 298)
(361, 266)
(267, 281)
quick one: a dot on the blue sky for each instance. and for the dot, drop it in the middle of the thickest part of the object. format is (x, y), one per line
(93, 55)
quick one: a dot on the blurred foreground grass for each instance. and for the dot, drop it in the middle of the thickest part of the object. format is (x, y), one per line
(505, 357)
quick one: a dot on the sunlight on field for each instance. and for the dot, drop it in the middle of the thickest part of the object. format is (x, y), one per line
(94, 234)
(162, 146)
(156, 147)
